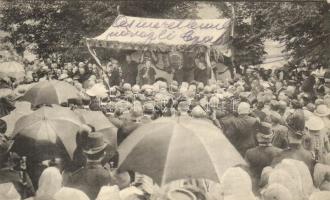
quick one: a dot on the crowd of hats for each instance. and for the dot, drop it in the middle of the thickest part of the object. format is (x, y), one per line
(276, 99)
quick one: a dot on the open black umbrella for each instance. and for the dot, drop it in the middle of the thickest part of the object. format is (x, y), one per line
(170, 149)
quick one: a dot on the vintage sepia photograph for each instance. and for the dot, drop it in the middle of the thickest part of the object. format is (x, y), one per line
(164, 100)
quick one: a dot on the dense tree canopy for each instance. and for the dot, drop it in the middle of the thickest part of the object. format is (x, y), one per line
(304, 28)
(59, 27)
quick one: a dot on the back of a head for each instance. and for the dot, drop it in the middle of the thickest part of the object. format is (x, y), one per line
(50, 182)
(276, 191)
(236, 181)
(320, 195)
(70, 193)
(243, 108)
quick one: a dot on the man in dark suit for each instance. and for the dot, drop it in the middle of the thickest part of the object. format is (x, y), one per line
(91, 177)
(130, 70)
(241, 130)
(262, 155)
(295, 150)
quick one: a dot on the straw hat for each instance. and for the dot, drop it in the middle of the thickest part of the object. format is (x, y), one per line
(314, 124)
(243, 108)
(322, 111)
(198, 112)
(181, 194)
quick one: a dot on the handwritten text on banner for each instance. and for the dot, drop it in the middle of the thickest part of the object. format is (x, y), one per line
(166, 31)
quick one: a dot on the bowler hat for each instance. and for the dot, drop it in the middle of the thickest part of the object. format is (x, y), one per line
(265, 130)
(148, 106)
(296, 121)
(95, 143)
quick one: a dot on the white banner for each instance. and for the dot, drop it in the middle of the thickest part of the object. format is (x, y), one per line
(149, 31)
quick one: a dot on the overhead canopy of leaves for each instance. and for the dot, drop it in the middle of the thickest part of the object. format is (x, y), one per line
(304, 28)
(59, 27)
(249, 32)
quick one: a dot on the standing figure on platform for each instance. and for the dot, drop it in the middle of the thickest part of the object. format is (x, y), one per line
(147, 72)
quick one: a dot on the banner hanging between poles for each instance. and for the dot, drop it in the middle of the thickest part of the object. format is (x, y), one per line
(135, 33)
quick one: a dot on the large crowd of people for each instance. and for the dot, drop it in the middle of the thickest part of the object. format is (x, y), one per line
(277, 120)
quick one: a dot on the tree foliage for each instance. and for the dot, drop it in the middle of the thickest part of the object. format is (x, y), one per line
(304, 28)
(249, 32)
(60, 27)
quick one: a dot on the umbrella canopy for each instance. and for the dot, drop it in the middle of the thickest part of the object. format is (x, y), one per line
(22, 108)
(169, 149)
(51, 92)
(45, 130)
(12, 69)
(101, 124)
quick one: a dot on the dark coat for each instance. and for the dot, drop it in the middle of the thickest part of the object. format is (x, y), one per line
(260, 157)
(79, 160)
(179, 75)
(89, 179)
(6, 106)
(296, 152)
(115, 78)
(202, 75)
(280, 138)
(11, 176)
(241, 132)
(150, 78)
(125, 130)
(130, 72)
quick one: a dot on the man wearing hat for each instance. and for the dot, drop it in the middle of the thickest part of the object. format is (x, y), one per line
(115, 74)
(327, 82)
(295, 148)
(280, 139)
(148, 112)
(91, 177)
(323, 112)
(241, 129)
(132, 122)
(82, 73)
(317, 138)
(147, 73)
(262, 155)
(130, 70)
(183, 107)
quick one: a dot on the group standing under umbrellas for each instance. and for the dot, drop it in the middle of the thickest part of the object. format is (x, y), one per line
(252, 137)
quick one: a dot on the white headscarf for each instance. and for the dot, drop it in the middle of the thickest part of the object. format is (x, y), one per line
(235, 181)
(50, 182)
(70, 194)
(8, 191)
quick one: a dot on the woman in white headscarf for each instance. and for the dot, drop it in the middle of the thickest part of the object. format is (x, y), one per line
(67, 193)
(50, 182)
